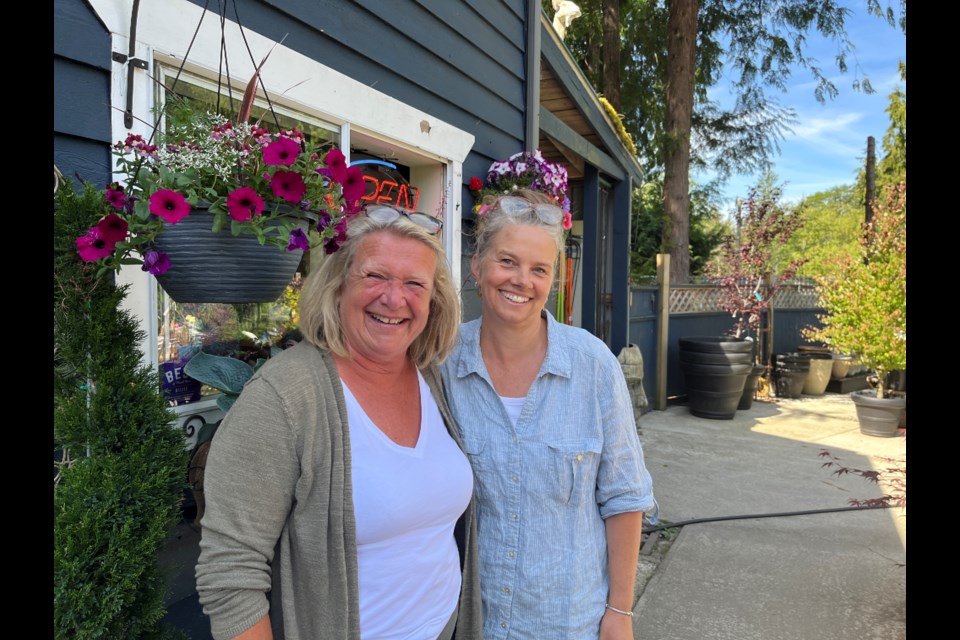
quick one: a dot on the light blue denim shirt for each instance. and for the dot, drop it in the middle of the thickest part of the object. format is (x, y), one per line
(545, 487)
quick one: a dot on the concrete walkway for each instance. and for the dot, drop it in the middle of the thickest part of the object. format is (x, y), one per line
(808, 577)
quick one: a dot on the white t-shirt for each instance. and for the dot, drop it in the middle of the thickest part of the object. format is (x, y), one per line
(407, 501)
(513, 406)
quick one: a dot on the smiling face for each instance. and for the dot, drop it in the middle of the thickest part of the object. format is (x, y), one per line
(515, 274)
(385, 302)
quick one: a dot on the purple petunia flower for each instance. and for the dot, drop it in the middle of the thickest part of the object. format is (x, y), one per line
(243, 203)
(298, 240)
(93, 246)
(116, 196)
(281, 152)
(155, 262)
(336, 166)
(288, 185)
(330, 246)
(354, 186)
(169, 205)
(113, 228)
(324, 221)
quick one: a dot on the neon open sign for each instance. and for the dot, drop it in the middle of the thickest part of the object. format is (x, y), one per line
(385, 185)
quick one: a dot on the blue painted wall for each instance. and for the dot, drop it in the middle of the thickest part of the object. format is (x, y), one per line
(81, 93)
(461, 61)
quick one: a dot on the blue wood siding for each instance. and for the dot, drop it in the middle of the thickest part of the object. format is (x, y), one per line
(461, 61)
(81, 93)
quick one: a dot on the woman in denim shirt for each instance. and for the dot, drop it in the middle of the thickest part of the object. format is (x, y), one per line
(547, 421)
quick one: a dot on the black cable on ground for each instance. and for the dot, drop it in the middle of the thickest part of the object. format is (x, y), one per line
(760, 515)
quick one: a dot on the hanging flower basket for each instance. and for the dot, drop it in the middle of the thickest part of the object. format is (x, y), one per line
(208, 266)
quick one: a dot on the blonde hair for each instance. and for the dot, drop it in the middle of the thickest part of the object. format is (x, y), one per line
(320, 320)
(494, 220)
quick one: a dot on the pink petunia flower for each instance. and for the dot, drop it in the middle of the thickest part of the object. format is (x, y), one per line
(354, 186)
(288, 185)
(113, 228)
(281, 152)
(244, 202)
(169, 205)
(155, 262)
(336, 168)
(567, 220)
(116, 196)
(298, 240)
(93, 246)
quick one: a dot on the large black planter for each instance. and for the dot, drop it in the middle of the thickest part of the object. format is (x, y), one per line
(220, 267)
(750, 387)
(715, 369)
(878, 417)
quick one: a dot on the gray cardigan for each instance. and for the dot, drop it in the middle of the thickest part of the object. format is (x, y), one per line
(279, 532)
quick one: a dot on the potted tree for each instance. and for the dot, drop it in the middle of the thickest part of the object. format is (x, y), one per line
(865, 312)
(746, 271)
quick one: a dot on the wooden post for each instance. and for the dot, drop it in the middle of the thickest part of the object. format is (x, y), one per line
(663, 322)
(870, 179)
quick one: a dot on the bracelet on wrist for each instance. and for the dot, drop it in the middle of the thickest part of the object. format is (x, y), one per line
(620, 611)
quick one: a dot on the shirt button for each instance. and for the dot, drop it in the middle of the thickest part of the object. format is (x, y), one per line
(579, 457)
(514, 516)
(506, 589)
(512, 554)
(503, 625)
(515, 477)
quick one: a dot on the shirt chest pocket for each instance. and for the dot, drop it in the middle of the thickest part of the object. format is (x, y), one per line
(575, 464)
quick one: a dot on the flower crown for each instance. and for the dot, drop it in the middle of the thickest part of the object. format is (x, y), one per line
(523, 170)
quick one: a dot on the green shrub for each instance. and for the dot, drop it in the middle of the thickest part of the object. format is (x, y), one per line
(115, 503)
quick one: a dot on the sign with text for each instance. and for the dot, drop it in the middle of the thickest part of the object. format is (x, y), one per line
(178, 388)
(385, 185)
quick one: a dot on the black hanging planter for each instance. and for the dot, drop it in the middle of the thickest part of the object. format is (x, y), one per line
(220, 267)
(715, 369)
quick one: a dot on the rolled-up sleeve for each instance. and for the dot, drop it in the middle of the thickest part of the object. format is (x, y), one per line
(623, 482)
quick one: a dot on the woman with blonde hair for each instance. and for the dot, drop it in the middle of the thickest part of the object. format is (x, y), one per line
(338, 498)
(546, 419)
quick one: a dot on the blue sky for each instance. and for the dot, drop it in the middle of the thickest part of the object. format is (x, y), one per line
(828, 143)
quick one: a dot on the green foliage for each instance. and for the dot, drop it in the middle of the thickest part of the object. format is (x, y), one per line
(892, 168)
(756, 47)
(865, 297)
(707, 227)
(113, 508)
(832, 226)
(225, 374)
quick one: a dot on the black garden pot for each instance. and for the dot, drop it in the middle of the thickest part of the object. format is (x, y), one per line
(790, 373)
(750, 386)
(715, 369)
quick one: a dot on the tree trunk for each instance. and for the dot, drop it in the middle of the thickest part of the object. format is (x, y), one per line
(611, 52)
(681, 65)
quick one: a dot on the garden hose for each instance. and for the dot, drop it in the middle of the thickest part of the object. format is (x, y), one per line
(760, 515)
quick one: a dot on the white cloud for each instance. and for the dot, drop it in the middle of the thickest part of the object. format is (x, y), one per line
(812, 127)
